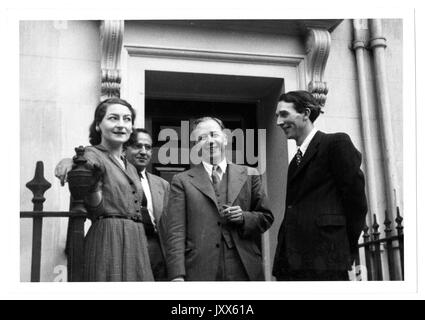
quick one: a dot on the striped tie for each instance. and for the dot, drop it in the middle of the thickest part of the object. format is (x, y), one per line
(215, 177)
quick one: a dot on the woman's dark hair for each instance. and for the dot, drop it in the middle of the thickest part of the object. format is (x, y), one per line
(95, 137)
(303, 100)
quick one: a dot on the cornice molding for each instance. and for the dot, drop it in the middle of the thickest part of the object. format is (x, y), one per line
(111, 39)
(208, 55)
(318, 45)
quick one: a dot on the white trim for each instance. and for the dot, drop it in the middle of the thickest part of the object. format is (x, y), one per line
(241, 57)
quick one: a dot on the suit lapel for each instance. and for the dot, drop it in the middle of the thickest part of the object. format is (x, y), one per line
(311, 151)
(291, 169)
(202, 182)
(115, 162)
(157, 195)
(237, 177)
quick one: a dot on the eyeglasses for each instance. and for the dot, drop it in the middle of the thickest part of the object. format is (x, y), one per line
(140, 146)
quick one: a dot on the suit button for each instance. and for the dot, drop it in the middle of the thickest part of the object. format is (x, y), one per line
(134, 192)
(135, 201)
(217, 245)
(218, 223)
(289, 207)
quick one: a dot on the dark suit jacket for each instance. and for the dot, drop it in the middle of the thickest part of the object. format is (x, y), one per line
(325, 208)
(159, 190)
(194, 225)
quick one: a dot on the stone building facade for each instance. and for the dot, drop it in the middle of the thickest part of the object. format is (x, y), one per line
(353, 66)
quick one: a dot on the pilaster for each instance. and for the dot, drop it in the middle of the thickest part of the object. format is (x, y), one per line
(111, 39)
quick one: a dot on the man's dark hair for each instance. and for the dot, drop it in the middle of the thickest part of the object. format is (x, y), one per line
(133, 136)
(303, 100)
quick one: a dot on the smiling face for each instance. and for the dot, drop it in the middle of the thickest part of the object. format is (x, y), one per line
(116, 125)
(212, 141)
(140, 153)
(295, 125)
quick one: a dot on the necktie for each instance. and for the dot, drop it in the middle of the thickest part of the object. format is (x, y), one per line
(146, 218)
(215, 176)
(298, 157)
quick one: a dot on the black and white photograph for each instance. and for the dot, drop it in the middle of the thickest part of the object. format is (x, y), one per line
(276, 152)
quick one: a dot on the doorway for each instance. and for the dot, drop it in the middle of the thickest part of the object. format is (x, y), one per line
(173, 100)
(178, 115)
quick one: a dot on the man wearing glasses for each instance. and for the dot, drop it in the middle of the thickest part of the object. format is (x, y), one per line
(216, 214)
(155, 189)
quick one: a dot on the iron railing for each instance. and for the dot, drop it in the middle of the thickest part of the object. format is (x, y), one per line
(75, 238)
(383, 256)
(375, 248)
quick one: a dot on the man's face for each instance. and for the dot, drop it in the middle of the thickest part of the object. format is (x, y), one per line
(291, 122)
(140, 153)
(212, 141)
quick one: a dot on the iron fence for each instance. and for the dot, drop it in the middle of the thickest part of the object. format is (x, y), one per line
(380, 254)
(383, 255)
(75, 238)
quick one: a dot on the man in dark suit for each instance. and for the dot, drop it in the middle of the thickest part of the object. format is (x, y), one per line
(325, 199)
(216, 214)
(139, 153)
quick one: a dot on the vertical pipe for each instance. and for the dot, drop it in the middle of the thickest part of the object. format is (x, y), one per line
(378, 45)
(360, 38)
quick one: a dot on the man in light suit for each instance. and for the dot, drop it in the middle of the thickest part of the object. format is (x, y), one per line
(325, 200)
(216, 214)
(139, 152)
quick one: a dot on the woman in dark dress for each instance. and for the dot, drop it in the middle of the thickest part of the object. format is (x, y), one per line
(115, 244)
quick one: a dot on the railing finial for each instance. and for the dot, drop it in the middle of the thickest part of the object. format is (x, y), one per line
(38, 186)
(399, 220)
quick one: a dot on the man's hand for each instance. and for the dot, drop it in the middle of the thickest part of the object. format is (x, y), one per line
(62, 169)
(233, 214)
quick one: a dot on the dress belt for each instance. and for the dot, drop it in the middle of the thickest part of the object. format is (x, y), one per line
(150, 231)
(135, 218)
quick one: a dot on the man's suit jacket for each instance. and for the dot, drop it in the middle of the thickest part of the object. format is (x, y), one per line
(160, 191)
(194, 225)
(325, 208)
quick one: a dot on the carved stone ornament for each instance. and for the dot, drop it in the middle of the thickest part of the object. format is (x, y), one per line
(111, 38)
(318, 45)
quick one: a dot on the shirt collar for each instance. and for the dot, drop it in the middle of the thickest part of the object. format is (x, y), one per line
(307, 141)
(209, 166)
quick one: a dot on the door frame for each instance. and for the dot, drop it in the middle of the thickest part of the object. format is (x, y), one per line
(137, 59)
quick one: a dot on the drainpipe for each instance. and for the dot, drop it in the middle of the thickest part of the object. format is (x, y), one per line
(377, 45)
(359, 46)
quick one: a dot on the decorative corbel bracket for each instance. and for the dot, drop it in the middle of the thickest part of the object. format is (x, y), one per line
(318, 45)
(111, 38)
